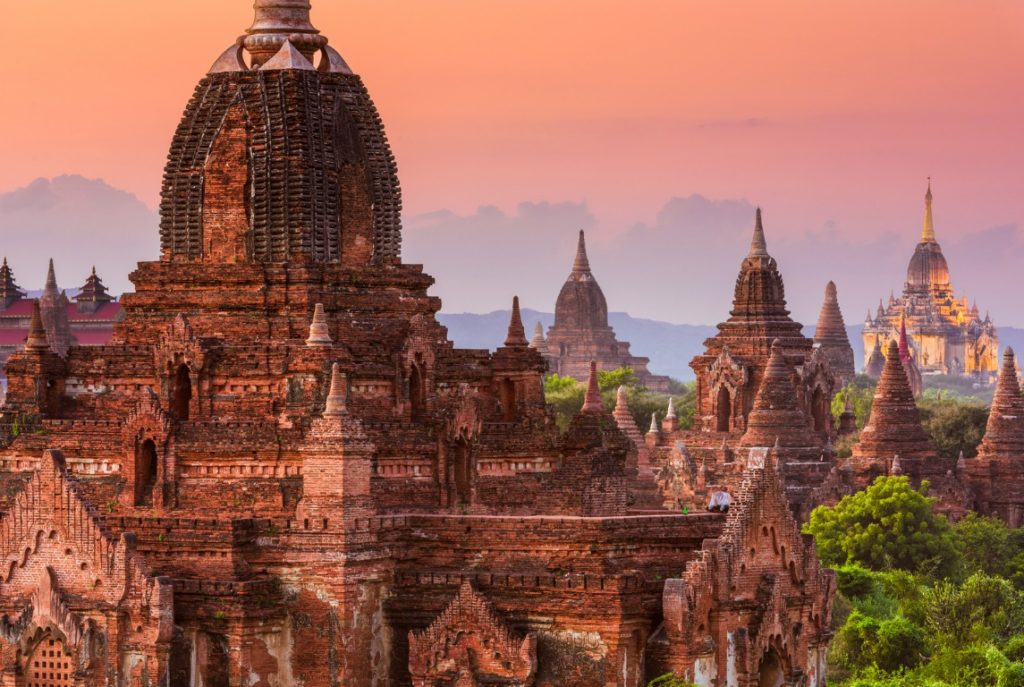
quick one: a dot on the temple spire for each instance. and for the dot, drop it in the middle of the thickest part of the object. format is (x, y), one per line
(904, 345)
(582, 264)
(538, 342)
(51, 281)
(928, 233)
(516, 332)
(36, 340)
(758, 244)
(319, 332)
(592, 403)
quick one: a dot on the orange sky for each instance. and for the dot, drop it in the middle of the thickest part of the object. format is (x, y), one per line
(821, 111)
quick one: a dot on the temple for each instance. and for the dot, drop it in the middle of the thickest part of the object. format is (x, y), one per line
(280, 471)
(581, 332)
(947, 336)
(831, 337)
(89, 321)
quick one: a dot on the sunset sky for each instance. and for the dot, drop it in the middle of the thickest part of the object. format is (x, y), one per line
(517, 122)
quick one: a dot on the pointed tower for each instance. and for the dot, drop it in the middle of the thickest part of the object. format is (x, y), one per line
(894, 427)
(53, 308)
(777, 418)
(319, 332)
(36, 341)
(93, 295)
(831, 337)
(592, 403)
(581, 332)
(730, 370)
(538, 342)
(1004, 435)
(876, 362)
(516, 333)
(9, 291)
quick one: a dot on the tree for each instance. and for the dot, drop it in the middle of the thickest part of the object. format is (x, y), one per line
(954, 423)
(986, 544)
(888, 525)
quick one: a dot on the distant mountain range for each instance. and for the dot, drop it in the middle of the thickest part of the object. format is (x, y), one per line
(670, 347)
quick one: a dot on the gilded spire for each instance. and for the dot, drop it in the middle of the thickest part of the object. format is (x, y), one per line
(928, 234)
(592, 403)
(758, 244)
(582, 264)
(516, 332)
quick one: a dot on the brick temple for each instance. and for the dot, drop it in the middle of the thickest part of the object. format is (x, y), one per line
(581, 332)
(280, 471)
(88, 321)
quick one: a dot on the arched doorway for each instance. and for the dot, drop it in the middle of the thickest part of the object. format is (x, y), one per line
(463, 468)
(182, 398)
(50, 665)
(819, 410)
(771, 672)
(145, 473)
(417, 393)
(724, 410)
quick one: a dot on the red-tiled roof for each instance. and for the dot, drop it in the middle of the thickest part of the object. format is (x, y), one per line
(23, 308)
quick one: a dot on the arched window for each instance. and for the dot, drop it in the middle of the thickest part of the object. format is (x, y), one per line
(509, 400)
(819, 410)
(182, 399)
(724, 410)
(417, 393)
(463, 468)
(145, 473)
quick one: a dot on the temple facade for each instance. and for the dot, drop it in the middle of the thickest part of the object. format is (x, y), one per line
(947, 336)
(581, 332)
(281, 471)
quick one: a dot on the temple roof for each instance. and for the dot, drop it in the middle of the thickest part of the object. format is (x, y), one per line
(9, 291)
(581, 303)
(928, 268)
(894, 427)
(1004, 435)
(94, 291)
(777, 417)
(831, 328)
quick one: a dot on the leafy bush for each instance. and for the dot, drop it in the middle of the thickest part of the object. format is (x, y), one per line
(888, 525)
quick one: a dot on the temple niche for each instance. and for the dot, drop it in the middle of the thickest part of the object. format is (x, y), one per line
(279, 470)
(581, 332)
(946, 334)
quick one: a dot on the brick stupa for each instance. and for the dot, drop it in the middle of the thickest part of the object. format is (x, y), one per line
(894, 427)
(581, 332)
(832, 338)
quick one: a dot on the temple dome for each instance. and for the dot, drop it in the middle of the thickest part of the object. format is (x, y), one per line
(928, 267)
(281, 156)
(581, 303)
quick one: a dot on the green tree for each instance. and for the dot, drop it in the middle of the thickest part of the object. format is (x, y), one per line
(986, 544)
(888, 525)
(954, 423)
(861, 392)
(984, 609)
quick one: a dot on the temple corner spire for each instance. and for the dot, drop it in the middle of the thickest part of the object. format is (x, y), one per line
(758, 244)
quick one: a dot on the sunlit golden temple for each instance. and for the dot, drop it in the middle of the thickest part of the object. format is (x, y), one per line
(947, 336)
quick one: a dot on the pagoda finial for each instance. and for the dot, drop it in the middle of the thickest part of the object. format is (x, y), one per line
(654, 424)
(928, 233)
(582, 263)
(538, 341)
(37, 340)
(671, 413)
(278, 22)
(592, 403)
(758, 244)
(51, 281)
(336, 401)
(319, 332)
(516, 332)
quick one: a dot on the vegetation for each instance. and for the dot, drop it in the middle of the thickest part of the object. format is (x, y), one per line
(947, 612)
(565, 395)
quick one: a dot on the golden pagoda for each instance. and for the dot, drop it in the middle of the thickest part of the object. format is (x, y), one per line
(947, 336)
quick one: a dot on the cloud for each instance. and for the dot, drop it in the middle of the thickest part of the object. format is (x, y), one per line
(481, 260)
(78, 222)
